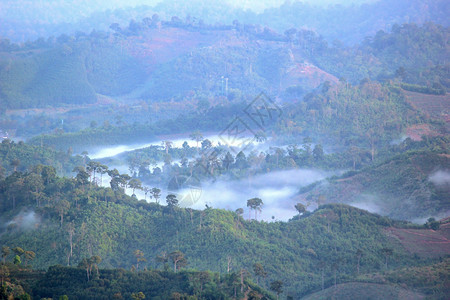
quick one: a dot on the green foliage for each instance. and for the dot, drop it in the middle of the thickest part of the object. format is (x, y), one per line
(23, 156)
(122, 284)
(388, 185)
(288, 251)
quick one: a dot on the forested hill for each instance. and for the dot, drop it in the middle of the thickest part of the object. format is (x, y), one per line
(179, 60)
(66, 220)
(348, 23)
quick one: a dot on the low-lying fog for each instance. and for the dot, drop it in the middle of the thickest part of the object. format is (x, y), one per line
(277, 190)
(177, 142)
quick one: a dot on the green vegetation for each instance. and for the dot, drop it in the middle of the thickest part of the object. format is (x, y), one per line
(400, 187)
(338, 108)
(79, 220)
(22, 156)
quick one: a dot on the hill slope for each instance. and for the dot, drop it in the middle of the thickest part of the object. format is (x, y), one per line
(401, 188)
(211, 239)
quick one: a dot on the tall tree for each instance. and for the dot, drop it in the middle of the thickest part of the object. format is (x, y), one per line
(178, 260)
(156, 194)
(62, 207)
(167, 145)
(5, 252)
(135, 184)
(259, 271)
(139, 257)
(4, 273)
(358, 259)
(29, 255)
(163, 258)
(255, 204)
(277, 287)
(300, 208)
(387, 252)
(197, 137)
(138, 296)
(171, 200)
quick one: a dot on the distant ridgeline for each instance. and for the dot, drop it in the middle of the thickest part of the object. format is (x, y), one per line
(175, 60)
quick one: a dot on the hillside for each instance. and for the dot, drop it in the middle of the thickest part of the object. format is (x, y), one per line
(71, 221)
(142, 61)
(179, 60)
(402, 187)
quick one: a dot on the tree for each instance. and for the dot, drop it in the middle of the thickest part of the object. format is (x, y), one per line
(135, 184)
(15, 163)
(228, 160)
(156, 193)
(171, 200)
(253, 295)
(82, 177)
(163, 258)
(260, 137)
(18, 251)
(84, 263)
(277, 287)
(259, 271)
(62, 208)
(103, 169)
(300, 208)
(29, 255)
(167, 145)
(197, 137)
(433, 224)
(206, 144)
(146, 191)
(178, 260)
(335, 266)
(239, 211)
(93, 167)
(71, 230)
(138, 296)
(358, 259)
(387, 252)
(321, 266)
(5, 252)
(255, 204)
(94, 261)
(35, 184)
(318, 153)
(139, 257)
(4, 272)
(17, 260)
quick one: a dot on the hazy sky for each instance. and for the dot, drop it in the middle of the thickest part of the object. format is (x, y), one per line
(257, 5)
(75, 9)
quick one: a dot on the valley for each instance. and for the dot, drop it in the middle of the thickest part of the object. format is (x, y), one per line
(206, 151)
